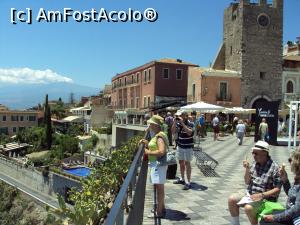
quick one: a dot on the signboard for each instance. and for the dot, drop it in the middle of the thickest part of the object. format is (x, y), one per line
(269, 111)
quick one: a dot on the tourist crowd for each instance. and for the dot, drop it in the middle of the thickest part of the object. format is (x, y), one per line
(264, 177)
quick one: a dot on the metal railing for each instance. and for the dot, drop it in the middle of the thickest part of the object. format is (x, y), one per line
(128, 207)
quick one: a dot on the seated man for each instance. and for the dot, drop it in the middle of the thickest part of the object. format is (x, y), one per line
(263, 182)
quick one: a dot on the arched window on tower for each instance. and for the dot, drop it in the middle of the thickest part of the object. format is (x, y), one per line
(289, 87)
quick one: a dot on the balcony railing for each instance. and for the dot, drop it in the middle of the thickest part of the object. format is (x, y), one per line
(226, 98)
(291, 97)
(128, 207)
(291, 69)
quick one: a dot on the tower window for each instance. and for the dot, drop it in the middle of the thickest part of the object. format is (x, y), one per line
(289, 87)
(262, 75)
(230, 50)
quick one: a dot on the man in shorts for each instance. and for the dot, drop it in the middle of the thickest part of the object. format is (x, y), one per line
(185, 144)
(263, 181)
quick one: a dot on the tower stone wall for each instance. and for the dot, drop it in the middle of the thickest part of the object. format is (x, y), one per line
(253, 46)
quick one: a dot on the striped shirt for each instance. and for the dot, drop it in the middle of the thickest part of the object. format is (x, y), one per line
(185, 140)
(264, 178)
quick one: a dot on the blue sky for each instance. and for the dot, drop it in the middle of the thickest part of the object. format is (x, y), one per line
(92, 53)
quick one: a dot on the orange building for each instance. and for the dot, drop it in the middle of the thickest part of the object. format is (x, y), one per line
(219, 87)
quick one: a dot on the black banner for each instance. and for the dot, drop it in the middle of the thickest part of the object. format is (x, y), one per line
(269, 111)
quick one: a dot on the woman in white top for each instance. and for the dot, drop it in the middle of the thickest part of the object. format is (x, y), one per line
(240, 131)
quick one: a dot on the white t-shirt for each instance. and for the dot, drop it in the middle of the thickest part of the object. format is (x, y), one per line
(215, 121)
(240, 128)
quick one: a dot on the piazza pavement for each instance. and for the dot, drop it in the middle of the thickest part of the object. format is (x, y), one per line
(206, 202)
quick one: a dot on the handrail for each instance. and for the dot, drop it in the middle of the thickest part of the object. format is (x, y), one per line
(129, 186)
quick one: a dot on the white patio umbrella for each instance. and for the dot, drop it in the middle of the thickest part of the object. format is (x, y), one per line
(239, 110)
(202, 107)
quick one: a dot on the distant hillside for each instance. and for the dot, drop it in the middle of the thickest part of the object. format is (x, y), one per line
(28, 95)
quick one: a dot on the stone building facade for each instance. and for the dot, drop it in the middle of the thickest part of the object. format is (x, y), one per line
(291, 72)
(252, 46)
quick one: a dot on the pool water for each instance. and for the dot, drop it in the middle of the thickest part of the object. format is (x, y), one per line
(81, 171)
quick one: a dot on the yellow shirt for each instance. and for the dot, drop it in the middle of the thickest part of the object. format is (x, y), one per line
(154, 146)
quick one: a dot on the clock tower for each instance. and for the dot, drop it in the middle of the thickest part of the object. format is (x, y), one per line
(252, 45)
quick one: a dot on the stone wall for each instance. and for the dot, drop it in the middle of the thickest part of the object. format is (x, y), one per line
(34, 179)
(255, 50)
(62, 184)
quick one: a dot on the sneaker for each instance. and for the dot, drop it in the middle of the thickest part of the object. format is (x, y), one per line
(154, 215)
(153, 211)
(187, 187)
(179, 182)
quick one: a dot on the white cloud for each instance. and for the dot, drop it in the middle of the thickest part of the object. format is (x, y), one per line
(30, 76)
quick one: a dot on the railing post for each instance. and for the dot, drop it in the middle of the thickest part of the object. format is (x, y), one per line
(135, 186)
(120, 217)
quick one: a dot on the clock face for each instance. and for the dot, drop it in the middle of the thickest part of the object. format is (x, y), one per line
(263, 20)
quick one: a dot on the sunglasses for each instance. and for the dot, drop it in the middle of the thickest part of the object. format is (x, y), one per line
(254, 153)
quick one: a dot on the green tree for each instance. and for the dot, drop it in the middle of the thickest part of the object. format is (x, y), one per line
(65, 146)
(34, 136)
(75, 130)
(48, 129)
(58, 110)
(94, 140)
(4, 139)
(45, 109)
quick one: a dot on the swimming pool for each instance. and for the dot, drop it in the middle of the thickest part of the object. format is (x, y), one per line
(80, 171)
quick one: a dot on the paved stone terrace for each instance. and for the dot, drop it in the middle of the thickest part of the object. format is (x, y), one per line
(206, 202)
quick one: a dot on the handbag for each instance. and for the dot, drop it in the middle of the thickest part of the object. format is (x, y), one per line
(269, 207)
(168, 159)
(267, 137)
